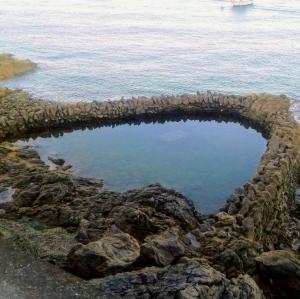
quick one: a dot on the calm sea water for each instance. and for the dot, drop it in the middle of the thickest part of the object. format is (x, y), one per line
(204, 160)
(99, 49)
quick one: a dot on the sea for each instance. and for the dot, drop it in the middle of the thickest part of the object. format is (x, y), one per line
(105, 49)
(95, 50)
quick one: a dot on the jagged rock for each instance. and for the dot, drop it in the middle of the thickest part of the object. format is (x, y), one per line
(27, 197)
(139, 222)
(52, 193)
(238, 256)
(168, 202)
(224, 219)
(191, 279)
(280, 273)
(106, 256)
(167, 282)
(162, 249)
(243, 287)
(28, 153)
(56, 161)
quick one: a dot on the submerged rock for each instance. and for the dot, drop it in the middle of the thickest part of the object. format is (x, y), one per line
(56, 161)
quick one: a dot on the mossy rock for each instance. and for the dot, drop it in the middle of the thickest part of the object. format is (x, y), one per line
(11, 67)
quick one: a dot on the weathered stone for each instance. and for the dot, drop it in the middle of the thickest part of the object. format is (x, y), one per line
(243, 287)
(52, 193)
(280, 273)
(162, 249)
(56, 161)
(191, 279)
(106, 256)
(224, 219)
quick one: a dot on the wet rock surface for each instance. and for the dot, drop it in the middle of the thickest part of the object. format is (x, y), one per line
(151, 242)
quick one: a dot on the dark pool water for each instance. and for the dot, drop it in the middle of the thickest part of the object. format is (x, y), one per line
(205, 160)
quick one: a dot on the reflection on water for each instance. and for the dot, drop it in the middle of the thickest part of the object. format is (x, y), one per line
(205, 160)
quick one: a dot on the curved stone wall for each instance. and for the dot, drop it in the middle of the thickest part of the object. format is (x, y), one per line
(251, 222)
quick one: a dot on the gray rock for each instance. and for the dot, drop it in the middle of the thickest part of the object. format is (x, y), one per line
(191, 279)
(56, 161)
(243, 287)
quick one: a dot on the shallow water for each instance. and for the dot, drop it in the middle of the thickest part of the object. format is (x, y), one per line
(204, 160)
(94, 50)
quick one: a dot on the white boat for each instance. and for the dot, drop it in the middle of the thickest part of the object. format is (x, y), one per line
(241, 2)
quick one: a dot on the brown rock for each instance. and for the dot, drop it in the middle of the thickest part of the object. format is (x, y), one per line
(106, 256)
(280, 273)
(224, 219)
(163, 249)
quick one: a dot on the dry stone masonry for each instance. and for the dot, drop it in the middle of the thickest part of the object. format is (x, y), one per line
(151, 242)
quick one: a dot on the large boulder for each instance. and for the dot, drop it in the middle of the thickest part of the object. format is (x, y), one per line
(139, 221)
(110, 254)
(167, 202)
(280, 273)
(190, 279)
(52, 193)
(243, 287)
(224, 219)
(162, 249)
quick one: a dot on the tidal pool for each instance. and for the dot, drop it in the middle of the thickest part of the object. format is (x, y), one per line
(204, 160)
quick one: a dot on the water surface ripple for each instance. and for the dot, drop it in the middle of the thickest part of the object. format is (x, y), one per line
(94, 50)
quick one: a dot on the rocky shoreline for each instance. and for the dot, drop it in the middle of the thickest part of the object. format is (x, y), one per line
(11, 67)
(151, 242)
